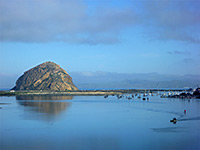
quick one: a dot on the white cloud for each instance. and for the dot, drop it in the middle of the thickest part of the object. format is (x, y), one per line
(71, 20)
(61, 20)
(174, 20)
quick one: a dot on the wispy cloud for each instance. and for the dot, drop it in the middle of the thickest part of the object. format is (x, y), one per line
(71, 20)
(61, 20)
(174, 20)
(178, 52)
(187, 60)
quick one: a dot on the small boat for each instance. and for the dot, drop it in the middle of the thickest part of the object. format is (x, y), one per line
(174, 120)
(105, 96)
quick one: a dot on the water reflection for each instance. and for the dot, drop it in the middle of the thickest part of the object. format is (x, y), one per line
(65, 142)
(43, 97)
(92, 143)
(48, 108)
(169, 129)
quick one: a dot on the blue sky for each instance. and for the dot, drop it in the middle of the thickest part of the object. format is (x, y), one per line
(125, 36)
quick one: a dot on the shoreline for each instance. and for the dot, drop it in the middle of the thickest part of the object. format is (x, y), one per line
(86, 92)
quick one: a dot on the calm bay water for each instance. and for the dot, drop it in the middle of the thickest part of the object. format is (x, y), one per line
(95, 123)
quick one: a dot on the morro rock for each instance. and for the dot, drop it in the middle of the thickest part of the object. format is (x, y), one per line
(46, 76)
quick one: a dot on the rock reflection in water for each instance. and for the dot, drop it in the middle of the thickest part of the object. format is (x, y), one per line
(43, 97)
(47, 108)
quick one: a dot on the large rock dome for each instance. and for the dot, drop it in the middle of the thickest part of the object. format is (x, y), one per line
(46, 76)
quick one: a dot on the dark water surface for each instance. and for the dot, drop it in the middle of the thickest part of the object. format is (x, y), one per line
(95, 123)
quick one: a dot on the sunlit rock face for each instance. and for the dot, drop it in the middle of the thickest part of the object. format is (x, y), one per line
(46, 76)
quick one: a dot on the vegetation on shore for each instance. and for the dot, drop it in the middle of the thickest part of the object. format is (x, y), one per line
(81, 92)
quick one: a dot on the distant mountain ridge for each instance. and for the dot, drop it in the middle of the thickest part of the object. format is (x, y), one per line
(46, 76)
(101, 80)
(112, 80)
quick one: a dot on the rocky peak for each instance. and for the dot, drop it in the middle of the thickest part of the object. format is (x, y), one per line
(46, 76)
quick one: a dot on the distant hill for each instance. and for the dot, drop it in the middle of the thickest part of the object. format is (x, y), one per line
(103, 80)
(46, 76)
(112, 80)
